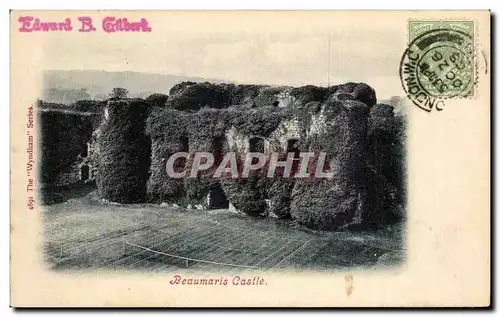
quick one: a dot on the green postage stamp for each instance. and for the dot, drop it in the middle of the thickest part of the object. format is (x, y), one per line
(439, 63)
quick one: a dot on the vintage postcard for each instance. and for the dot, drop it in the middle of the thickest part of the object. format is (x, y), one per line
(250, 159)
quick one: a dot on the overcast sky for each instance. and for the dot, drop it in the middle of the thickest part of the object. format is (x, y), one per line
(263, 47)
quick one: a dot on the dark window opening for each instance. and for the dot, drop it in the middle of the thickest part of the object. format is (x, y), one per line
(184, 144)
(293, 147)
(85, 150)
(217, 150)
(276, 103)
(180, 163)
(256, 145)
(218, 198)
(84, 172)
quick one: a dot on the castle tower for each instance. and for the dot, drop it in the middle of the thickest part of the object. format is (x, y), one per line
(124, 157)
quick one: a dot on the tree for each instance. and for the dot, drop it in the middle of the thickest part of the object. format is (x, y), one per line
(159, 100)
(119, 93)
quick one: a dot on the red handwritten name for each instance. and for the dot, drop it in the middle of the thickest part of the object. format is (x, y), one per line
(108, 24)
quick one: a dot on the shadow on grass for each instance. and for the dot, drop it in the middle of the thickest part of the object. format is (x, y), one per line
(59, 194)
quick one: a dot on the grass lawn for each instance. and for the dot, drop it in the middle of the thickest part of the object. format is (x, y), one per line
(83, 233)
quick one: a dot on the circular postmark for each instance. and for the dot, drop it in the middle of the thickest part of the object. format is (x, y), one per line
(438, 65)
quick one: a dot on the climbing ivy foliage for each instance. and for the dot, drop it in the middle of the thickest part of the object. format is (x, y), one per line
(365, 143)
(61, 146)
(124, 157)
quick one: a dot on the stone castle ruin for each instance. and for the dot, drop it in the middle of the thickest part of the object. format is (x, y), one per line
(122, 145)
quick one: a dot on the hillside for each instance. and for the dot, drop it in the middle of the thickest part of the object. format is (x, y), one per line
(67, 86)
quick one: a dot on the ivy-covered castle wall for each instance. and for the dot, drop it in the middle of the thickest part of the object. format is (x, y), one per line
(65, 144)
(365, 142)
(124, 157)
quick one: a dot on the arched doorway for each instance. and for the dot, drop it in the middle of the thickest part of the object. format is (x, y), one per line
(217, 198)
